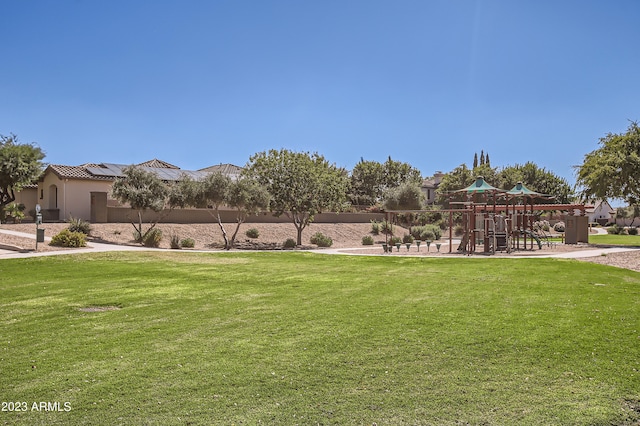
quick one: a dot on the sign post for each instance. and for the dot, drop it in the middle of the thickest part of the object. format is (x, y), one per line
(39, 232)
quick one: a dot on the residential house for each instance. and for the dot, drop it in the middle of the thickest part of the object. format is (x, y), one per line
(84, 191)
(430, 185)
(601, 212)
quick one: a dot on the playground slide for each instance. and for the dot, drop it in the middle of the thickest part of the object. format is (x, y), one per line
(535, 237)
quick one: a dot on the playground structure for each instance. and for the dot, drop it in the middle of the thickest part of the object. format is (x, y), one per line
(498, 220)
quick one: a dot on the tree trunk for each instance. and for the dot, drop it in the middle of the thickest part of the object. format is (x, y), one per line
(239, 221)
(224, 232)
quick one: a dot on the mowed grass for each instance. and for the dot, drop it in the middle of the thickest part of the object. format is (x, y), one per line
(300, 338)
(616, 240)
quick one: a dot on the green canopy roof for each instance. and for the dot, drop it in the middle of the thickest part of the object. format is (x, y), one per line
(521, 190)
(480, 186)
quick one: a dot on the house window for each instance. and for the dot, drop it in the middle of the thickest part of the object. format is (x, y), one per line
(42, 194)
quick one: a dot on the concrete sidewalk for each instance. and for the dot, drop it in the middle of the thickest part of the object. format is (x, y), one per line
(93, 247)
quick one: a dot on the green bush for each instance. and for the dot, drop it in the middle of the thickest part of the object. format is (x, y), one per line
(321, 240)
(394, 240)
(616, 230)
(386, 228)
(632, 231)
(153, 238)
(289, 243)
(66, 238)
(375, 227)
(252, 233)
(426, 232)
(188, 243)
(175, 242)
(367, 240)
(79, 225)
(407, 238)
(15, 212)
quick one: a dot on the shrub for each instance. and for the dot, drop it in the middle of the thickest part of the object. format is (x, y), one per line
(559, 227)
(407, 238)
(153, 238)
(367, 240)
(458, 230)
(542, 225)
(386, 228)
(289, 243)
(616, 230)
(15, 212)
(175, 242)
(79, 225)
(375, 227)
(632, 231)
(321, 240)
(426, 232)
(188, 242)
(252, 233)
(394, 240)
(66, 238)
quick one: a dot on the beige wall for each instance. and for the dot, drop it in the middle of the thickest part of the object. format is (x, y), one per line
(28, 197)
(71, 197)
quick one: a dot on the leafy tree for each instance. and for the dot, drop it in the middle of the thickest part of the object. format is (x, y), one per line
(407, 196)
(475, 160)
(301, 185)
(631, 212)
(613, 170)
(247, 197)
(370, 180)
(396, 173)
(209, 193)
(537, 179)
(143, 191)
(367, 179)
(20, 165)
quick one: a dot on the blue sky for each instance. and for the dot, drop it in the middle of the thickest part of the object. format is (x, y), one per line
(198, 83)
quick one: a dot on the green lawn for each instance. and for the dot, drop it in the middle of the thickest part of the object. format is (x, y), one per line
(299, 338)
(616, 240)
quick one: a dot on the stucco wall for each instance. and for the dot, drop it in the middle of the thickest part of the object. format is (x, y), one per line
(73, 197)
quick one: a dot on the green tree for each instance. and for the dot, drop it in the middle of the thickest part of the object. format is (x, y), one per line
(396, 173)
(143, 191)
(246, 196)
(209, 193)
(475, 160)
(613, 170)
(537, 179)
(367, 181)
(216, 190)
(407, 196)
(20, 165)
(301, 185)
(370, 180)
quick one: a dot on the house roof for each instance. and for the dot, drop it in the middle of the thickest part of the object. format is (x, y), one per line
(225, 169)
(159, 164)
(111, 171)
(75, 172)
